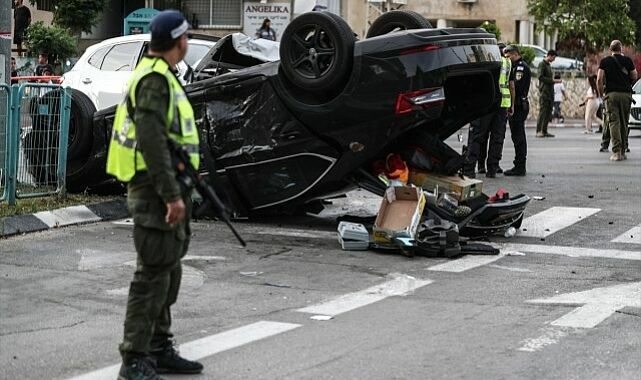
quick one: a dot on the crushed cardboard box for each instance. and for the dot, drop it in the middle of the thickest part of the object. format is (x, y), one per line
(461, 188)
(399, 215)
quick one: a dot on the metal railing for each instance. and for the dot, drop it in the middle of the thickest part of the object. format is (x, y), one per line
(36, 141)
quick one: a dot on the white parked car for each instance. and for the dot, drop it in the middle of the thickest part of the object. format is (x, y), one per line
(102, 71)
(560, 63)
(635, 111)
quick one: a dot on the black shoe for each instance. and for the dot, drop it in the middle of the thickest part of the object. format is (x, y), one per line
(515, 172)
(548, 135)
(490, 175)
(481, 170)
(168, 361)
(138, 369)
(627, 150)
(604, 149)
(499, 170)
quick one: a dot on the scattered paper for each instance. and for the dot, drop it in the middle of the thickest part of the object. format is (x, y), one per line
(321, 317)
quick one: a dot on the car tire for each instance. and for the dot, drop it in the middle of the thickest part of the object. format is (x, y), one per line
(397, 20)
(317, 51)
(80, 120)
(42, 142)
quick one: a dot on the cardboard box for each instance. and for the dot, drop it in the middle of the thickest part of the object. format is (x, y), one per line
(399, 215)
(461, 188)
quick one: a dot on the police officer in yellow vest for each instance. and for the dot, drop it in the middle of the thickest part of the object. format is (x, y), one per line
(492, 126)
(154, 111)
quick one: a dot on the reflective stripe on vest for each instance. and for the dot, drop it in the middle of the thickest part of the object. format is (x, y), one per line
(506, 98)
(124, 158)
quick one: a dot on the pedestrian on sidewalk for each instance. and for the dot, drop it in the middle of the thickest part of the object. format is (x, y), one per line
(493, 125)
(592, 102)
(521, 76)
(559, 97)
(618, 73)
(155, 112)
(21, 21)
(546, 98)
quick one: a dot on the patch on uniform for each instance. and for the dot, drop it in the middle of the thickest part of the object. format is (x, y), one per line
(519, 75)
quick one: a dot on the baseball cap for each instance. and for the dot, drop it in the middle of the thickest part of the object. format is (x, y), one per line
(168, 25)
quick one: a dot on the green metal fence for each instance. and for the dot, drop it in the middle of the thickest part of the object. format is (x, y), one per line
(5, 91)
(36, 141)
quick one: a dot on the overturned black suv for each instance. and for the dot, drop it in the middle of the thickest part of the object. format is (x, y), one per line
(308, 126)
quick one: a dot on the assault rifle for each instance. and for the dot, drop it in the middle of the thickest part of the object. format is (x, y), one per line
(189, 177)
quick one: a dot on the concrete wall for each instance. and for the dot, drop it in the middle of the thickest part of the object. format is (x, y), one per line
(575, 89)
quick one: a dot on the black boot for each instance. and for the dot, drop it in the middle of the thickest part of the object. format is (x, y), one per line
(168, 361)
(515, 172)
(138, 369)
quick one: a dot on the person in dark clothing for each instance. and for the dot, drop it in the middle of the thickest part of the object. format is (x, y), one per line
(492, 125)
(546, 99)
(22, 20)
(14, 72)
(521, 76)
(266, 31)
(43, 65)
(618, 73)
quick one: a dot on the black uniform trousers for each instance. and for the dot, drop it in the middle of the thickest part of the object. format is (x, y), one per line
(493, 124)
(517, 131)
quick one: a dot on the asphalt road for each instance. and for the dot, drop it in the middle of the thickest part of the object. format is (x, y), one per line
(563, 304)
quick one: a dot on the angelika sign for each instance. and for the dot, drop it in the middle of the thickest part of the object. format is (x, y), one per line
(255, 13)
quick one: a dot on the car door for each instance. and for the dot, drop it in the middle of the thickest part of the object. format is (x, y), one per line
(108, 85)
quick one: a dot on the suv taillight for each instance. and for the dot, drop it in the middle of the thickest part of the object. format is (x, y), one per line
(407, 102)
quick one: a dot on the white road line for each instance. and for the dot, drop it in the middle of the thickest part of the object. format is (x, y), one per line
(464, 263)
(210, 345)
(511, 269)
(632, 236)
(66, 216)
(573, 251)
(553, 220)
(597, 304)
(400, 285)
(552, 335)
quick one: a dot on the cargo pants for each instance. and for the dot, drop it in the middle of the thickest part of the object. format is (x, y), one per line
(545, 114)
(617, 107)
(156, 281)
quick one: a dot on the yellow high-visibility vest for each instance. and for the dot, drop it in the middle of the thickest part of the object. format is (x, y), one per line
(504, 78)
(124, 158)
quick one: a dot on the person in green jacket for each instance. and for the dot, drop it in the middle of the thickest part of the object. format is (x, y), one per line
(546, 98)
(155, 111)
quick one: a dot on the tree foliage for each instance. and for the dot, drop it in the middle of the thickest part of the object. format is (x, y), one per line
(76, 15)
(635, 14)
(53, 40)
(491, 27)
(527, 53)
(598, 22)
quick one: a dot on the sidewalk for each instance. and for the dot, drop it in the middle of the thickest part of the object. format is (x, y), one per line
(569, 123)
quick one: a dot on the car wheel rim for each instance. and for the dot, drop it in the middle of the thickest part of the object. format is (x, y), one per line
(313, 52)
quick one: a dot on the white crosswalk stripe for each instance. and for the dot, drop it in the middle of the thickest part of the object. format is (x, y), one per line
(632, 236)
(553, 220)
(209, 345)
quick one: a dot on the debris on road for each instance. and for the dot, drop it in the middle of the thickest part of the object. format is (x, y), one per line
(321, 317)
(538, 198)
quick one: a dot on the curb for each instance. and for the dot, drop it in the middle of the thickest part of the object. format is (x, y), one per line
(74, 215)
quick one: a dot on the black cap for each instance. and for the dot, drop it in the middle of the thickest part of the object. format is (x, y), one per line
(168, 25)
(512, 49)
(552, 52)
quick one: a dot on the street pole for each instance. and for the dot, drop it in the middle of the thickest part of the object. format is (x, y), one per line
(5, 78)
(5, 41)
